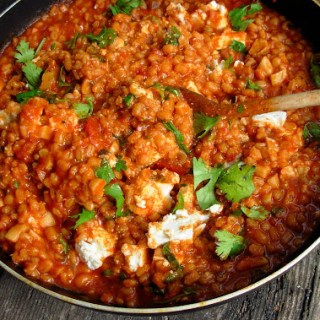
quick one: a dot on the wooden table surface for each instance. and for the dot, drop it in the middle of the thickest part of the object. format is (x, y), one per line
(293, 296)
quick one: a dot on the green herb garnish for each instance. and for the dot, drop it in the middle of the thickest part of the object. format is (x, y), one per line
(84, 110)
(71, 44)
(228, 244)
(23, 97)
(114, 190)
(177, 270)
(237, 16)
(252, 85)
(165, 91)
(236, 182)
(105, 171)
(128, 99)
(240, 108)
(25, 53)
(202, 124)
(172, 36)
(255, 212)
(228, 62)
(311, 131)
(202, 173)
(64, 244)
(62, 80)
(180, 203)
(104, 38)
(238, 46)
(83, 217)
(120, 165)
(178, 135)
(125, 6)
(315, 72)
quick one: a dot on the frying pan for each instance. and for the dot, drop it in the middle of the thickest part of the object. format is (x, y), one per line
(19, 14)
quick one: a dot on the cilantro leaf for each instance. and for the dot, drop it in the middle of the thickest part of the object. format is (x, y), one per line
(201, 173)
(178, 135)
(120, 165)
(252, 85)
(237, 16)
(180, 203)
(114, 190)
(105, 172)
(128, 99)
(64, 244)
(25, 53)
(33, 74)
(228, 62)
(84, 110)
(177, 270)
(71, 44)
(238, 46)
(125, 6)
(237, 181)
(311, 131)
(172, 36)
(164, 91)
(202, 124)
(228, 244)
(83, 217)
(61, 80)
(41, 44)
(23, 97)
(104, 38)
(240, 108)
(256, 212)
(315, 72)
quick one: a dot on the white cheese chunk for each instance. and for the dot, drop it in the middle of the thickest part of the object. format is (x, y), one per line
(215, 209)
(274, 119)
(176, 227)
(217, 7)
(135, 256)
(93, 250)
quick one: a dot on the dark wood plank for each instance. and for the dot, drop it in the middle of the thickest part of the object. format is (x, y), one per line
(294, 296)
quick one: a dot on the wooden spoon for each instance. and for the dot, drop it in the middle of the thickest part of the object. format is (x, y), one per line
(199, 103)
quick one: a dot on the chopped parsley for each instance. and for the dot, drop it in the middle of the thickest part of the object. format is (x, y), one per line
(128, 99)
(311, 131)
(228, 244)
(114, 190)
(237, 16)
(172, 36)
(23, 97)
(256, 212)
(83, 217)
(238, 46)
(165, 91)
(105, 171)
(64, 244)
(24, 53)
(104, 38)
(177, 270)
(62, 80)
(16, 184)
(120, 165)
(252, 85)
(179, 204)
(228, 62)
(31, 71)
(240, 108)
(201, 173)
(202, 124)
(178, 135)
(125, 6)
(236, 182)
(71, 44)
(41, 44)
(84, 110)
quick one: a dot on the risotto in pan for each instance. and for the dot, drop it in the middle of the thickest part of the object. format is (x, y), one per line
(111, 186)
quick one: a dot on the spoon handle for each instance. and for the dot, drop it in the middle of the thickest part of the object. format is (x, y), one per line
(199, 103)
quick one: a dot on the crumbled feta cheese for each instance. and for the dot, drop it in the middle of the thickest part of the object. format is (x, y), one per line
(275, 118)
(135, 255)
(238, 63)
(215, 209)
(174, 227)
(217, 7)
(93, 250)
(140, 202)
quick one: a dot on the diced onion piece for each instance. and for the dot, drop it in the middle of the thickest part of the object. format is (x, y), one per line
(14, 233)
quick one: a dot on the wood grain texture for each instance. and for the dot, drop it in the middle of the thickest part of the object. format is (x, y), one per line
(294, 296)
